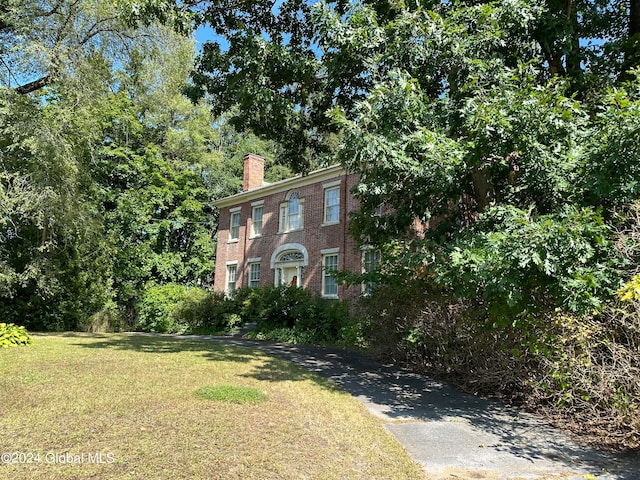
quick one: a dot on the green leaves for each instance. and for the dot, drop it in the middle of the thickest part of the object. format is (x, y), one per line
(103, 177)
(505, 172)
(12, 336)
(613, 170)
(513, 260)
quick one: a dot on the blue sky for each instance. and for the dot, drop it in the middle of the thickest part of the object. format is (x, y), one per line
(205, 33)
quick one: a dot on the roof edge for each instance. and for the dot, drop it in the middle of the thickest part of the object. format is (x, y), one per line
(280, 186)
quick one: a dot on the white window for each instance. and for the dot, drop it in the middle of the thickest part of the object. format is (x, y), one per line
(292, 213)
(370, 262)
(254, 275)
(329, 280)
(256, 221)
(234, 226)
(332, 205)
(232, 276)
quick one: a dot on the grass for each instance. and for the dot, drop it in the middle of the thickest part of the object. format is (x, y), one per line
(130, 402)
(231, 393)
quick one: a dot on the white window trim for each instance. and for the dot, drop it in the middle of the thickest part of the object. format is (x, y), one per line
(367, 249)
(253, 210)
(250, 264)
(231, 263)
(329, 252)
(232, 212)
(327, 187)
(283, 215)
(335, 183)
(289, 246)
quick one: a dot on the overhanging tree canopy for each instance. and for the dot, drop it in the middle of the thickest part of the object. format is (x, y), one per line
(507, 126)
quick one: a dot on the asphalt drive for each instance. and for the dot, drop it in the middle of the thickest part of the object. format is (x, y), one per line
(449, 431)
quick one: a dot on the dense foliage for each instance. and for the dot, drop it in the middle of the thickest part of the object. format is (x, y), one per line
(508, 129)
(12, 336)
(107, 170)
(287, 314)
(174, 308)
(292, 314)
(497, 144)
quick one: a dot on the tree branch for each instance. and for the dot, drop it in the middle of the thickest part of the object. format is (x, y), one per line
(35, 85)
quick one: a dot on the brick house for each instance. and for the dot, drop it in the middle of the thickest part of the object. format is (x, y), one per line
(292, 232)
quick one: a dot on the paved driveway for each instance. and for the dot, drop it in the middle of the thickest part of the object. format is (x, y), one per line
(446, 430)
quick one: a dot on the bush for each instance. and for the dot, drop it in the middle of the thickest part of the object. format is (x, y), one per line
(155, 307)
(583, 368)
(175, 308)
(293, 314)
(288, 314)
(109, 319)
(591, 373)
(12, 335)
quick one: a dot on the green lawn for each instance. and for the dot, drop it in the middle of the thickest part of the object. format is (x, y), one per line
(131, 403)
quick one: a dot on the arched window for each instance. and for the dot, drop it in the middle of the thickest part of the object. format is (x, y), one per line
(291, 256)
(291, 213)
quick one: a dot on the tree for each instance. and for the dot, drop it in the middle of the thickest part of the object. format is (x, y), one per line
(466, 115)
(43, 40)
(286, 67)
(104, 168)
(54, 257)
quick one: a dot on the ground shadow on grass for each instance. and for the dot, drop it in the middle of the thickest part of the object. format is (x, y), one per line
(400, 396)
(271, 369)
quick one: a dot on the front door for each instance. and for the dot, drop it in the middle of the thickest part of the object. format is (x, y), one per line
(289, 267)
(290, 276)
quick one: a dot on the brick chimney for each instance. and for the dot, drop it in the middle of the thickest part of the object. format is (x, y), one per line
(253, 172)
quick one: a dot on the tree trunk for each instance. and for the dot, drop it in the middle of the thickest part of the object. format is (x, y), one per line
(634, 18)
(483, 191)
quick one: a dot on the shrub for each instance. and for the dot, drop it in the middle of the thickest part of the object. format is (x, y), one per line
(175, 308)
(155, 307)
(584, 368)
(515, 261)
(591, 372)
(201, 311)
(293, 314)
(109, 319)
(630, 291)
(12, 335)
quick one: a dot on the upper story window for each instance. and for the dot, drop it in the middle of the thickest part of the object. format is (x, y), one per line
(292, 213)
(234, 224)
(332, 205)
(256, 221)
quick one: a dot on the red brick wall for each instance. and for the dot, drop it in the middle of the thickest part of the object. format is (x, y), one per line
(314, 237)
(253, 172)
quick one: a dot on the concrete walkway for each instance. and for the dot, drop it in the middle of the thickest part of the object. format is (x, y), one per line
(448, 431)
